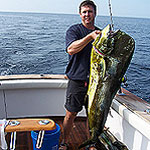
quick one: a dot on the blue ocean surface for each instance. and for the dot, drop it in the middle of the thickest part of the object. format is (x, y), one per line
(34, 43)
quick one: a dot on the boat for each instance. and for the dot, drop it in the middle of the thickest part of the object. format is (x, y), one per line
(35, 95)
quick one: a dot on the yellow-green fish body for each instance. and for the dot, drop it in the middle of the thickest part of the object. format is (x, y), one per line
(110, 57)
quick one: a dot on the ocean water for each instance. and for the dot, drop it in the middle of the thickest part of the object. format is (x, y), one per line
(34, 43)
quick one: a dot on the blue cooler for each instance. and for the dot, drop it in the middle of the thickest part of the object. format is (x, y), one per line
(50, 140)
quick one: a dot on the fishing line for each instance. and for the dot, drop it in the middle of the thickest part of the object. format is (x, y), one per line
(110, 12)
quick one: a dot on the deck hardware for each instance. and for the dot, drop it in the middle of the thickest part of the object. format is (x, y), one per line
(40, 139)
(44, 122)
(120, 93)
(147, 111)
(13, 141)
(123, 84)
(110, 113)
(14, 123)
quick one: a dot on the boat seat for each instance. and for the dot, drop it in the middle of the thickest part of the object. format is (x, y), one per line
(32, 124)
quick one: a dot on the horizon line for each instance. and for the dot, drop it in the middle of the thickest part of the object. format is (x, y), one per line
(61, 13)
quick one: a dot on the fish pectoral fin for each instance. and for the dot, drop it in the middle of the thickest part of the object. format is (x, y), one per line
(104, 67)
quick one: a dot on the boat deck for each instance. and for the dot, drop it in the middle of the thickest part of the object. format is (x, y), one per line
(77, 136)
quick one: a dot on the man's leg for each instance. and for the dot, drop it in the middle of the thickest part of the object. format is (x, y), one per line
(67, 127)
(68, 123)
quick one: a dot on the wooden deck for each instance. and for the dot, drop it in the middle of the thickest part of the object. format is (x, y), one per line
(77, 136)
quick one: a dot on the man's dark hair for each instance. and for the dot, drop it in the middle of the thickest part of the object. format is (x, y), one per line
(87, 2)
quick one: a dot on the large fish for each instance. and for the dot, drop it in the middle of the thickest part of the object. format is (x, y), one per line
(110, 57)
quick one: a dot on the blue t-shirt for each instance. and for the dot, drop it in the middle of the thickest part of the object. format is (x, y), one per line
(79, 63)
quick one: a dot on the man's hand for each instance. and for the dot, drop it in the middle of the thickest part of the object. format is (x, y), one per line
(94, 34)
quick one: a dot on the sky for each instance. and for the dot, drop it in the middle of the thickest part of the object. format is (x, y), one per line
(123, 8)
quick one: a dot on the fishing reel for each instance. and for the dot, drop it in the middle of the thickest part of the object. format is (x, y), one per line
(124, 81)
(123, 84)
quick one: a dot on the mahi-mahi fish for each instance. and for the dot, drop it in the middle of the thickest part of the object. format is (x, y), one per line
(110, 57)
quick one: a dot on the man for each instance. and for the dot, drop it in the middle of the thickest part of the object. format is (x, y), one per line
(79, 40)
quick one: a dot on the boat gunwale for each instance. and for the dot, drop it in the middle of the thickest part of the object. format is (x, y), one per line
(33, 76)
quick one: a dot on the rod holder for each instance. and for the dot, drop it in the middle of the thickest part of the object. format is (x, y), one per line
(120, 93)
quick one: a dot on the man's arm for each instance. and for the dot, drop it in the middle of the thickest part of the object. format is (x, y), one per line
(78, 45)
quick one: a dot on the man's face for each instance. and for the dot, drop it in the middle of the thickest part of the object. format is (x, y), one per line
(87, 14)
